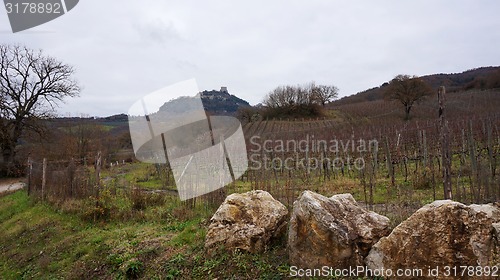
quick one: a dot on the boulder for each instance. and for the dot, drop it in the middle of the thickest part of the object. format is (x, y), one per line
(496, 242)
(333, 232)
(246, 221)
(443, 233)
(496, 231)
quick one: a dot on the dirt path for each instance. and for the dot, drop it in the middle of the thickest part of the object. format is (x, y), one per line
(10, 185)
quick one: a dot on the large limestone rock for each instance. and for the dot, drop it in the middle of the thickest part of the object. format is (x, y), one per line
(496, 242)
(246, 221)
(443, 233)
(333, 232)
(496, 231)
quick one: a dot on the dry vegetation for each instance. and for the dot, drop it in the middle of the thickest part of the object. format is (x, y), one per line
(100, 219)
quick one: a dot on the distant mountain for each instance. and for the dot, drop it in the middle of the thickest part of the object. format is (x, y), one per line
(119, 117)
(215, 102)
(220, 102)
(480, 78)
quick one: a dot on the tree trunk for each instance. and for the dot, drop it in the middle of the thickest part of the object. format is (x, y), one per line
(8, 154)
(407, 112)
(445, 144)
(9, 151)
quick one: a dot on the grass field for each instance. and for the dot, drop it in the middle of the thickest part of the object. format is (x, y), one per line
(41, 241)
(136, 227)
(127, 234)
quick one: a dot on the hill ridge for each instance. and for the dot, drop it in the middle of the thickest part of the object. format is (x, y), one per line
(479, 78)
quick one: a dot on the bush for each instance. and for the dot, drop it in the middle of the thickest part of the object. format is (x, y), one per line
(133, 268)
(98, 207)
(301, 101)
(141, 199)
(295, 112)
(249, 114)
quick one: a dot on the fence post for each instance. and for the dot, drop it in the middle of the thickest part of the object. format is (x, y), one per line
(98, 170)
(30, 169)
(71, 177)
(44, 176)
(445, 144)
(475, 185)
(390, 166)
(491, 161)
(98, 181)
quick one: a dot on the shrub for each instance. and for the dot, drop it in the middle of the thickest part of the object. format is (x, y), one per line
(133, 268)
(295, 112)
(141, 199)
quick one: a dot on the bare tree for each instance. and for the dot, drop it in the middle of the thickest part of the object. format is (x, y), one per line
(308, 94)
(31, 86)
(325, 93)
(283, 96)
(298, 101)
(407, 90)
(248, 114)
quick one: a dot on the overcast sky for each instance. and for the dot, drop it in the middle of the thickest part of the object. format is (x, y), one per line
(125, 49)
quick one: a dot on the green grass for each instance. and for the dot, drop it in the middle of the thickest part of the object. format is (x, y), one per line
(189, 234)
(125, 234)
(165, 241)
(41, 242)
(141, 175)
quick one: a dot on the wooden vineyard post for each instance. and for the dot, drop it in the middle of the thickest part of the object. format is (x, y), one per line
(324, 165)
(475, 185)
(433, 176)
(363, 181)
(98, 170)
(30, 171)
(44, 176)
(373, 174)
(491, 161)
(463, 194)
(445, 144)
(71, 177)
(425, 153)
(390, 169)
(97, 181)
(390, 166)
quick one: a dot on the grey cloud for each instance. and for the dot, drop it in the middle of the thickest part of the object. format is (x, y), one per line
(123, 50)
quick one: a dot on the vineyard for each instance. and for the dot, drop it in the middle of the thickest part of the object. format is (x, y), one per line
(382, 160)
(386, 163)
(390, 166)
(397, 152)
(234, 141)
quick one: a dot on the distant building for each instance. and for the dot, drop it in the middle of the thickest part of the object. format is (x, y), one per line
(223, 89)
